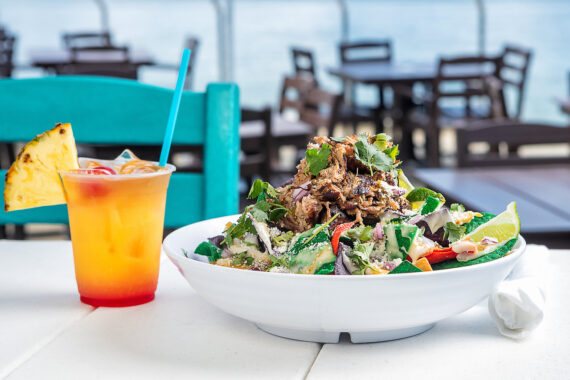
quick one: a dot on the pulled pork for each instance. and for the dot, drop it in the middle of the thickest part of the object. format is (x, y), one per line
(344, 187)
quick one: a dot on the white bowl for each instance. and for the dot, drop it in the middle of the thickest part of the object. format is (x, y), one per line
(318, 308)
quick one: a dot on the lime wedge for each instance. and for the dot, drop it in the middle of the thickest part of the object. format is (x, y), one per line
(404, 182)
(503, 227)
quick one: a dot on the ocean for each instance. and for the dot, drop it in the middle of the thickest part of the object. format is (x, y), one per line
(421, 31)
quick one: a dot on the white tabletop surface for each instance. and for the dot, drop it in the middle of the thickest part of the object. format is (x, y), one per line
(46, 333)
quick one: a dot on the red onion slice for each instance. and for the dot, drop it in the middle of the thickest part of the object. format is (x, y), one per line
(301, 192)
(489, 240)
(378, 231)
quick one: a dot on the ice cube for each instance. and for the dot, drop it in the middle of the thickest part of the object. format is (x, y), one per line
(125, 156)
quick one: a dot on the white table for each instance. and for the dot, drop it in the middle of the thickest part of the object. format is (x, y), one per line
(45, 332)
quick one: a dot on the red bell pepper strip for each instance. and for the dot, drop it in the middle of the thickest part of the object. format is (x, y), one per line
(337, 232)
(439, 255)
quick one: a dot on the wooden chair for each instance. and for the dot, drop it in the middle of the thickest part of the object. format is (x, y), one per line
(564, 104)
(364, 51)
(303, 62)
(256, 144)
(367, 51)
(7, 43)
(293, 91)
(456, 80)
(321, 109)
(513, 72)
(259, 134)
(130, 114)
(100, 61)
(508, 132)
(86, 40)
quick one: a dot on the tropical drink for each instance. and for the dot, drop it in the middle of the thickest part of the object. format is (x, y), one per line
(116, 213)
(116, 223)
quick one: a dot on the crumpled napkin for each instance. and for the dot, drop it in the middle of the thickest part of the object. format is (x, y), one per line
(516, 305)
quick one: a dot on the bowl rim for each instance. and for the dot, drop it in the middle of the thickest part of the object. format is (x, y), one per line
(518, 250)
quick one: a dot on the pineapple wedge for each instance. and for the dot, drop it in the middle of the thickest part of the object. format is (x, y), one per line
(33, 179)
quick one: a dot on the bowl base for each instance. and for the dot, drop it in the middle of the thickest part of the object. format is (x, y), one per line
(355, 337)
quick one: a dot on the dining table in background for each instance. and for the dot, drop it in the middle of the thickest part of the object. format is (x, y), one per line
(540, 191)
(46, 332)
(49, 58)
(405, 73)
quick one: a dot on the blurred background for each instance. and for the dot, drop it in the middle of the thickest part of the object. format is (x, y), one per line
(475, 92)
(263, 31)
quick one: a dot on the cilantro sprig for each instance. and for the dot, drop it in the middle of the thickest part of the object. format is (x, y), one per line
(266, 209)
(453, 232)
(281, 261)
(376, 156)
(317, 159)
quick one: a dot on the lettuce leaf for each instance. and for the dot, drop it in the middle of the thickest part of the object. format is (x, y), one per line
(209, 250)
(497, 253)
(405, 267)
(477, 221)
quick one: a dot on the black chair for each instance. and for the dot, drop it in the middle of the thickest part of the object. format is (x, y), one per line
(7, 43)
(512, 69)
(303, 62)
(463, 81)
(509, 133)
(258, 134)
(364, 51)
(258, 155)
(86, 40)
(367, 51)
(101, 61)
(321, 109)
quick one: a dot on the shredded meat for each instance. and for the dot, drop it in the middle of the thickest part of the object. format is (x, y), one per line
(345, 187)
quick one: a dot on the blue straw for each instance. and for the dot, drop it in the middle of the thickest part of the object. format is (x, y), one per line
(174, 108)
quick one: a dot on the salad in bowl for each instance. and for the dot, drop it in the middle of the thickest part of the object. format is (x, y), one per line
(350, 210)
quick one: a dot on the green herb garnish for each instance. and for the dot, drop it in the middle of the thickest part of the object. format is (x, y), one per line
(237, 230)
(278, 261)
(453, 232)
(241, 258)
(262, 189)
(318, 159)
(456, 207)
(371, 156)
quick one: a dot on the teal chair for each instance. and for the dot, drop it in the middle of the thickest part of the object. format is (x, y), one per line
(127, 113)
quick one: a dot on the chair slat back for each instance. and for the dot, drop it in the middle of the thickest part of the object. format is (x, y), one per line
(513, 134)
(464, 78)
(86, 39)
(513, 71)
(109, 61)
(130, 114)
(303, 61)
(7, 43)
(366, 51)
(293, 90)
(320, 108)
